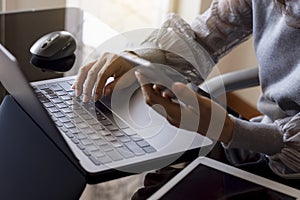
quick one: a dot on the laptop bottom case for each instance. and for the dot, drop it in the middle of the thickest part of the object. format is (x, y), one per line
(32, 167)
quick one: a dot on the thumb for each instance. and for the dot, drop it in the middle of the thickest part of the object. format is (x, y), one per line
(185, 94)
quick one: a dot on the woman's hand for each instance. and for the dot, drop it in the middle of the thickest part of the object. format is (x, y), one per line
(94, 76)
(174, 111)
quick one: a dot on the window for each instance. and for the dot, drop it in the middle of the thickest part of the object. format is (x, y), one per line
(119, 14)
(125, 15)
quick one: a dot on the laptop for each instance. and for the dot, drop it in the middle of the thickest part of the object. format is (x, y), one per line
(229, 183)
(92, 135)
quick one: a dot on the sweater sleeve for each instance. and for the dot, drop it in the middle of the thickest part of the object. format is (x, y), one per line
(287, 162)
(279, 140)
(175, 46)
(197, 47)
(254, 135)
(223, 26)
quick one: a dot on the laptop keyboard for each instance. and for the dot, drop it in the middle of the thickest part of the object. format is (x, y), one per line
(95, 134)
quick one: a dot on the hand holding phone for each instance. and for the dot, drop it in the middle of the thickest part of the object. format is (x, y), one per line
(161, 76)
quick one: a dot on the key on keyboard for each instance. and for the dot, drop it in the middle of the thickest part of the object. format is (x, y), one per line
(94, 133)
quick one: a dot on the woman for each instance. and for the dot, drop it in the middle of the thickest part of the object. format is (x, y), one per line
(275, 29)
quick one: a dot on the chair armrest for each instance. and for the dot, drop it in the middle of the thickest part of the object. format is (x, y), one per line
(231, 81)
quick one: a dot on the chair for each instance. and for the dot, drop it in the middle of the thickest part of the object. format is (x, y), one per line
(228, 82)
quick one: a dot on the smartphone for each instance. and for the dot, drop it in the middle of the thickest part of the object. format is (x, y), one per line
(161, 73)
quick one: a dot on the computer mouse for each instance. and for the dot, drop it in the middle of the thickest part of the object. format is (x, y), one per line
(54, 51)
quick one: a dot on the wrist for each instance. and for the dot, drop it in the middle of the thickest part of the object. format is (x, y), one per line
(227, 131)
(152, 54)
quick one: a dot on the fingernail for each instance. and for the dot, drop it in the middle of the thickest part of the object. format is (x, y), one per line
(137, 75)
(96, 98)
(176, 86)
(85, 98)
(77, 93)
(107, 92)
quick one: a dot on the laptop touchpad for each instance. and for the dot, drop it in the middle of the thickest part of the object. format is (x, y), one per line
(134, 110)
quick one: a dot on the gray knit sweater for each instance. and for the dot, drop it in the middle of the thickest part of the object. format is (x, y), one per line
(277, 45)
(213, 34)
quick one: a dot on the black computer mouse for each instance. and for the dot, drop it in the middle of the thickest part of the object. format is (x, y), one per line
(54, 51)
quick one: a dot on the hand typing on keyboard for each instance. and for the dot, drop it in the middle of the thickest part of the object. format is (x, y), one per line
(94, 76)
(95, 134)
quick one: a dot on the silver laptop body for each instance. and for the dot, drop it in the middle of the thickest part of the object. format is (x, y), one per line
(145, 142)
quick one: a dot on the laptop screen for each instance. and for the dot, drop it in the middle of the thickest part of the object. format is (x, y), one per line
(220, 186)
(15, 82)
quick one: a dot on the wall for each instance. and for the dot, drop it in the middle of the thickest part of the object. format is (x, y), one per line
(241, 57)
(10, 5)
(186, 8)
(243, 101)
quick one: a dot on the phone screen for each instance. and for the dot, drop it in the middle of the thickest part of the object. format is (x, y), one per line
(166, 75)
(208, 183)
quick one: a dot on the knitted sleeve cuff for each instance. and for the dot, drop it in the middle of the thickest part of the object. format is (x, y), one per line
(259, 137)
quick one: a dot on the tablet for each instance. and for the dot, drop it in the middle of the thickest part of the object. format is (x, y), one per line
(222, 182)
